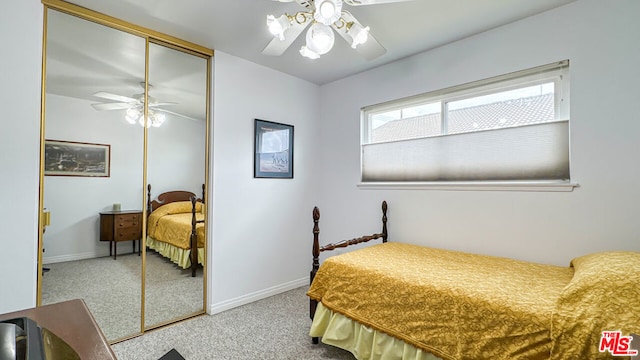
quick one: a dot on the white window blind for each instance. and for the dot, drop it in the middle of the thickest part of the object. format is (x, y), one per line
(533, 152)
(513, 127)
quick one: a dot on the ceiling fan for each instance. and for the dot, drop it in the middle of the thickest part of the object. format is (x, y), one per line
(134, 106)
(324, 15)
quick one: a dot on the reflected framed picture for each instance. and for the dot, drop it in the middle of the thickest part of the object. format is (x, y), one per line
(68, 158)
(273, 150)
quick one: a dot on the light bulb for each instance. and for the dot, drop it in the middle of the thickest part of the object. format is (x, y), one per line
(320, 38)
(327, 11)
(132, 115)
(359, 34)
(277, 26)
(304, 51)
(157, 119)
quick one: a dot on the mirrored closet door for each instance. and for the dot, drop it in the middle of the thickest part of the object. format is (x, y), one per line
(176, 163)
(125, 120)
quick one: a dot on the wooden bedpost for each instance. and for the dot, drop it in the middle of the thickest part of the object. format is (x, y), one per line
(149, 209)
(194, 238)
(313, 304)
(384, 221)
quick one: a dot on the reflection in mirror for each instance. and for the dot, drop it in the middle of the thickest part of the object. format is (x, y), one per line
(176, 167)
(95, 166)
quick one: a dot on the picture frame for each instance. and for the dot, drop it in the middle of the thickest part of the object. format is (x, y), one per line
(273, 150)
(69, 158)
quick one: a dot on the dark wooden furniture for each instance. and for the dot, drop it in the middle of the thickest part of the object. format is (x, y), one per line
(118, 226)
(180, 195)
(72, 322)
(317, 249)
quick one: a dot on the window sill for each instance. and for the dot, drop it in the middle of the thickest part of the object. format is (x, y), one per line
(542, 186)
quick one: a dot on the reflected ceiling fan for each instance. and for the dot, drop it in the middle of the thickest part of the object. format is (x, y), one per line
(134, 107)
(324, 15)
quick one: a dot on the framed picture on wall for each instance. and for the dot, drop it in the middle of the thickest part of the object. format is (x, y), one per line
(67, 158)
(273, 150)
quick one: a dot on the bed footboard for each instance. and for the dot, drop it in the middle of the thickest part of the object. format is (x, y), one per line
(194, 235)
(173, 196)
(317, 249)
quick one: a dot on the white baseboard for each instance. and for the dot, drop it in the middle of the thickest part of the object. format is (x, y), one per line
(258, 295)
(70, 257)
(80, 256)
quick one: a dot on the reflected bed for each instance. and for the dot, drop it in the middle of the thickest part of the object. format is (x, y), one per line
(175, 226)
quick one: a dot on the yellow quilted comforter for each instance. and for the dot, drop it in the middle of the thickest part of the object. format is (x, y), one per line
(465, 306)
(441, 301)
(171, 223)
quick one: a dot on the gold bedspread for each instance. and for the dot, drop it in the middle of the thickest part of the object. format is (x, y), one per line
(172, 224)
(441, 301)
(604, 295)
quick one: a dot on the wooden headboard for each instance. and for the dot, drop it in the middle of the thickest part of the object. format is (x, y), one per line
(169, 197)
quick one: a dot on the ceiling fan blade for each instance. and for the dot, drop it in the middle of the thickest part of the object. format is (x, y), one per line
(371, 2)
(305, 3)
(371, 49)
(277, 47)
(115, 97)
(163, 104)
(112, 106)
(176, 114)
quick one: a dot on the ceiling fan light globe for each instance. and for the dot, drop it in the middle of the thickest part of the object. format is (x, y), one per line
(132, 115)
(327, 11)
(320, 38)
(304, 51)
(158, 119)
(277, 26)
(359, 35)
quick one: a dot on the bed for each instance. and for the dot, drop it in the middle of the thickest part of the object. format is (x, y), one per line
(402, 301)
(175, 226)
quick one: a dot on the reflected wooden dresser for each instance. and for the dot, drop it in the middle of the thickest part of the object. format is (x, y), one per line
(118, 226)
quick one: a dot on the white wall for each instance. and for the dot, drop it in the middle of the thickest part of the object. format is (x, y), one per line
(601, 41)
(260, 226)
(176, 156)
(75, 202)
(20, 72)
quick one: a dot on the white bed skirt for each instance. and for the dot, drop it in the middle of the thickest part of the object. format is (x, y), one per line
(180, 257)
(363, 342)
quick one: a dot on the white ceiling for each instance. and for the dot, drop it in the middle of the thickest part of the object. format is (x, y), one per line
(238, 27)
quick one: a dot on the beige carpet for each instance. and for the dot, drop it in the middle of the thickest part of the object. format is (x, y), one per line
(275, 328)
(112, 290)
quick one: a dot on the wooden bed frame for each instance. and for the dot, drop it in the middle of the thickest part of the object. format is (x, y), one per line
(173, 196)
(317, 249)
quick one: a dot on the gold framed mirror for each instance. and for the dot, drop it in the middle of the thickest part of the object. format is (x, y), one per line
(101, 146)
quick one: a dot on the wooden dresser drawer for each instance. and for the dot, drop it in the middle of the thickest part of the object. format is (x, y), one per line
(129, 233)
(127, 221)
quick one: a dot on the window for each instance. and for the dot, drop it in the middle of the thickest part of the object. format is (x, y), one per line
(512, 128)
